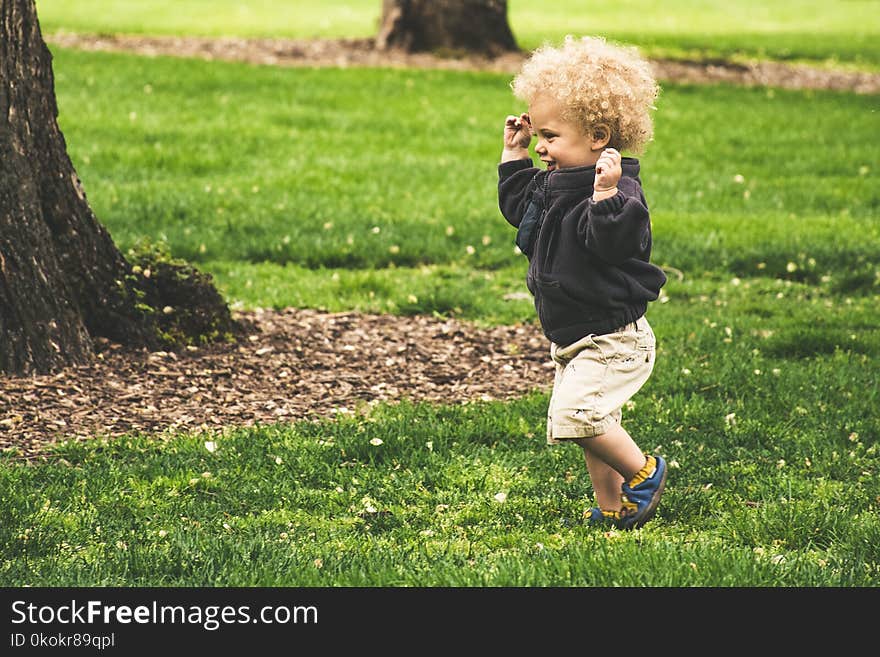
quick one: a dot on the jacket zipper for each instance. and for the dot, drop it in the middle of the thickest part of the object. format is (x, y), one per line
(545, 261)
(535, 260)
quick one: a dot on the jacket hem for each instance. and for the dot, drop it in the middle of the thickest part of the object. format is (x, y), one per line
(570, 334)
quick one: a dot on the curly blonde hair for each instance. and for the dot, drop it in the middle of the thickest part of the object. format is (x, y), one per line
(595, 82)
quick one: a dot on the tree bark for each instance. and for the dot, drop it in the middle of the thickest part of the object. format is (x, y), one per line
(446, 26)
(63, 281)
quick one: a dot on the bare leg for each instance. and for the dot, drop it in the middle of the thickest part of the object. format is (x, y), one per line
(611, 458)
(606, 482)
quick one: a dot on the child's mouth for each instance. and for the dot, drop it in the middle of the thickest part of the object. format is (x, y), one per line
(550, 165)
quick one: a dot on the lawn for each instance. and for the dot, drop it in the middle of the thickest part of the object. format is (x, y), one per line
(339, 178)
(374, 190)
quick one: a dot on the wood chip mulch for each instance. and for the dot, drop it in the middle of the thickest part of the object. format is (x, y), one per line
(292, 364)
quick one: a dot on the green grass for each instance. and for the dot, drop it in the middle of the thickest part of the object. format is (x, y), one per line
(758, 402)
(382, 182)
(842, 32)
(764, 201)
(774, 499)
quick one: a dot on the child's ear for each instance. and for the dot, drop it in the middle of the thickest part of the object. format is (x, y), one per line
(600, 135)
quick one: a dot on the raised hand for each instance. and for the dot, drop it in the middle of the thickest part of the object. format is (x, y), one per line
(608, 171)
(517, 132)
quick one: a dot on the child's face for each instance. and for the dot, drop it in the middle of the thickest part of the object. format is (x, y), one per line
(561, 143)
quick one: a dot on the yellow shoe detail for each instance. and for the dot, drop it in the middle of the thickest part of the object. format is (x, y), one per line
(629, 508)
(611, 515)
(645, 473)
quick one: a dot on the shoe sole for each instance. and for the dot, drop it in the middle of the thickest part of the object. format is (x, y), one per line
(648, 512)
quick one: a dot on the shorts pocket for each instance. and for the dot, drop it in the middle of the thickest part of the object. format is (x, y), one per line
(630, 350)
(645, 340)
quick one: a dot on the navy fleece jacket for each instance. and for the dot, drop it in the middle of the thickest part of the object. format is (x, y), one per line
(589, 262)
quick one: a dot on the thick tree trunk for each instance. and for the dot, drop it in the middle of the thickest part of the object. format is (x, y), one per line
(451, 26)
(63, 281)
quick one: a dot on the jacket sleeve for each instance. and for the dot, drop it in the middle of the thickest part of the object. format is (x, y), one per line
(617, 228)
(514, 179)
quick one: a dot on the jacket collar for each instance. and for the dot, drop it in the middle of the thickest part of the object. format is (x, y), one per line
(579, 178)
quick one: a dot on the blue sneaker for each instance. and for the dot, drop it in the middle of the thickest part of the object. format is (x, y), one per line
(641, 494)
(596, 517)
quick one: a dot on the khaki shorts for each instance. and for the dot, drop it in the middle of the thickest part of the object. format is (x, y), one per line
(595, 377)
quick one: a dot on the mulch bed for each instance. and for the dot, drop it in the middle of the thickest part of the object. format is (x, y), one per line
(291, 365)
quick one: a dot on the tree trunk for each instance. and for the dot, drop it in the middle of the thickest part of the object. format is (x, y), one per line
(63, 281)
(446, 26)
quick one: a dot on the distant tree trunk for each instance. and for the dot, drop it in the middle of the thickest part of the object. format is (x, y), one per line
(452, 26)
(63, 281)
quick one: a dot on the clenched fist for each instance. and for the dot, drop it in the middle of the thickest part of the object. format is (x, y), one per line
(608, 172)
(517, 132)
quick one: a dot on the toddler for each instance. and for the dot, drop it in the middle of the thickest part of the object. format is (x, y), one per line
(583, 223)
